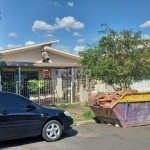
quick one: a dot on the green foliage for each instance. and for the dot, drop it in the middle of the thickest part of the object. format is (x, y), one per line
(9, 86)
(34, 86)
(65, 96)
(86, 104)
(61, 106)
(67, 106)
(72, 106)
(118, 58)
(88, 114)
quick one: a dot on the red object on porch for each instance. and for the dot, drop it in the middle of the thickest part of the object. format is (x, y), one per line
(46, 73)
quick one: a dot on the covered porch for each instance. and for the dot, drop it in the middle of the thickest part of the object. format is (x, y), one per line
(61, 79)
(55, 69)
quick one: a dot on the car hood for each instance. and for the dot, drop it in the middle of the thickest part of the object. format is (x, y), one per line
(54, 109)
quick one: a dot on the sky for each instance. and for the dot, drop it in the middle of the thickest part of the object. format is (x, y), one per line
(74, 23)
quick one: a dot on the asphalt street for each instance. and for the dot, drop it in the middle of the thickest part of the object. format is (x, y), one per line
(88, 137)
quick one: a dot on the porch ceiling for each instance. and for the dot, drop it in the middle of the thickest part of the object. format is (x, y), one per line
(12, 64)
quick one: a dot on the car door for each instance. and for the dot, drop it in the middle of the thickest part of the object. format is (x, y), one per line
(21, 119)
(3, 122)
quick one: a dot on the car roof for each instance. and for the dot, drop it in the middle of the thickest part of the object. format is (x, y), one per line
(1, 92)
(4, 92)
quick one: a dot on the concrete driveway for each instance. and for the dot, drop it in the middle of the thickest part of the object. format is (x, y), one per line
(88, 137)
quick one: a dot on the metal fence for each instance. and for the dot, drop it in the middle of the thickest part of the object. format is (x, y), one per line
(45, 92)
(88, 83)
(66, 88)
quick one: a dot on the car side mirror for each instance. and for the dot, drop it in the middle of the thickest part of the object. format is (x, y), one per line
(33, 105)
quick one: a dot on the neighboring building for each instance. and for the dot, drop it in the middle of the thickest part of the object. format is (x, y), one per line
(28, 60)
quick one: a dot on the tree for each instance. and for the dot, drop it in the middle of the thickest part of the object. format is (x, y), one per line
(119, 58)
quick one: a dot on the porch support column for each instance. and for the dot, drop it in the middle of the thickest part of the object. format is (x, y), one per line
(0, 82)
(19, 77)
(59, 88)
(72, 86)
(72, 74)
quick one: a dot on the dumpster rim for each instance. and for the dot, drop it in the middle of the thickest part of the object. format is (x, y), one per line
(120, 100)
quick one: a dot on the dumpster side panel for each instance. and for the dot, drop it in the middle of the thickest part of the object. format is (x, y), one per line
(105, 115)
(133, 114)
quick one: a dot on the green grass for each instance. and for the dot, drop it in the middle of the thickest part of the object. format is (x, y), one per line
(73, 106)
(86, 115)
(86, 112)
(67, 106)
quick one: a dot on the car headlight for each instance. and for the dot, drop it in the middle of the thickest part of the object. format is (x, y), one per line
(67, 113)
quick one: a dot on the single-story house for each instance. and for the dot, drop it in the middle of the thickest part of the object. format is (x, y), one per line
(28, 61)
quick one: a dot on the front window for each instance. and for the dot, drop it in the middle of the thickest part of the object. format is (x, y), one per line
(13, 76)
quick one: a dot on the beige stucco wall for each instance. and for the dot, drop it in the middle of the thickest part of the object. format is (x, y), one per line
(34, 55)
(24, 56)
(61, 59)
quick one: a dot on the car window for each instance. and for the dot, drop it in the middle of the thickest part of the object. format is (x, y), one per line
(8, 100)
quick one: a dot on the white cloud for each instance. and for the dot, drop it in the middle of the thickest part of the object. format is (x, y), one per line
(66, 22)
(57, 4)
(12, 46)
(1, 48)
(41, 25)
(29, 43)
(69, 22)
(70, 4)
(79, 48)
(81, 40)
(146, 36)
(48, 35)
(145, 24)
(76, 34)
(62, 47)
(13, 35)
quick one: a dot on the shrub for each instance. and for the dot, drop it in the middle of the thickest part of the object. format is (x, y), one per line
(45, 86)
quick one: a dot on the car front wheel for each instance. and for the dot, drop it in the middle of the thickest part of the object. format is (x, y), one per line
(52, 131)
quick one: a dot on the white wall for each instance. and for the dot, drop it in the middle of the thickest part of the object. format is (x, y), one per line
(141, 86)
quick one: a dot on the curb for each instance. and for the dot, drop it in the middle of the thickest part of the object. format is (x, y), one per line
(77, 123)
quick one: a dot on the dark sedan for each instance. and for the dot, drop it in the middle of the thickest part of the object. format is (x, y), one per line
(20, 117)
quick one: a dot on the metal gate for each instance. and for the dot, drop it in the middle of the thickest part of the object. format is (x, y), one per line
(66, 88)
(43, 92)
